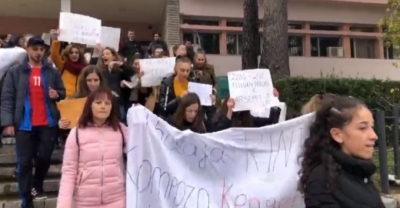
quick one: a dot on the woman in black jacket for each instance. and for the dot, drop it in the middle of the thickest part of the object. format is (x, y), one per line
(225, 118)
(190, 115)
(174, 87)
(337, 160)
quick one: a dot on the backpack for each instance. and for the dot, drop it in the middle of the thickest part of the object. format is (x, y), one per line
(123, 141)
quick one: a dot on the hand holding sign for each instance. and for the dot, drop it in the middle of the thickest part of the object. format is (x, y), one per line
(64, 123)
(230, 104)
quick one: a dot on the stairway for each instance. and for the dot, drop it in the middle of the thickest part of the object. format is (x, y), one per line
(8, 184)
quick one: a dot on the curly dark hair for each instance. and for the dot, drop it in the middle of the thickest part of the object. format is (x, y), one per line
(319, 146)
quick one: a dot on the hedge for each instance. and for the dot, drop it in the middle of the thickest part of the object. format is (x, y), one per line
(295, 91)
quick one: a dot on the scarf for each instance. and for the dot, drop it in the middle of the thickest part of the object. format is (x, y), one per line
(74, 67)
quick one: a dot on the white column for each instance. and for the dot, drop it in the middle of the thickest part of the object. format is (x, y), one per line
(66, 5)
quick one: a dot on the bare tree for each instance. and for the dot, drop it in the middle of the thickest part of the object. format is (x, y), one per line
(251, 35)
(274, 52)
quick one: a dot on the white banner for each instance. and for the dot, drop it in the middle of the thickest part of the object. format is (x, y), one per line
(77, 28)
(9, 57)
(253, 167)
(110, 37)
(251, 89)
(154, 70)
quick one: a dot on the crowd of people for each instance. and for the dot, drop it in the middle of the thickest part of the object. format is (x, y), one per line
(336, 166)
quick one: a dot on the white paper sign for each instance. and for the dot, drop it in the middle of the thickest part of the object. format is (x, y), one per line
(9, 57)
(264, 112)
(154, 70)
(77, 28)
(250, 88)
(254, 167)
(47, 38)
(110, 37)
(204, 91)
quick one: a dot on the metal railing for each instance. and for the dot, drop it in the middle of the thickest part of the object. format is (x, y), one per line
(390, 123)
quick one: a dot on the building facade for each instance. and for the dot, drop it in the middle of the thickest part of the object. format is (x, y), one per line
(338, 37)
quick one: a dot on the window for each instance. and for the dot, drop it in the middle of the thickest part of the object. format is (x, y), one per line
(295, 26)
(201, 22)
(320, 45)
(369, 29)
(234, 24)
(295, 46)
(392, 52)
(209, 42)
(362, 48)
(324, 27)
(234, 44)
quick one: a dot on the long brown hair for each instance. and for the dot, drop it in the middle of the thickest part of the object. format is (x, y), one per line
(239, 119)
(68, 49)
(86, 118)
(180, 114)
(83, 89)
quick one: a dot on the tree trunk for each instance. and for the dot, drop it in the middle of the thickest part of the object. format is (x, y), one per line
(251, 35)
(275, 52)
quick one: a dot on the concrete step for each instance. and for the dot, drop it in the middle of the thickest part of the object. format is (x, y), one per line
(7, 172)
(11, 188)
(7, 156)
(50, 202)
(8, 140)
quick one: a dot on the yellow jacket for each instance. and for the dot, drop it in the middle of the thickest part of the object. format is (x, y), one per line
(70, 80)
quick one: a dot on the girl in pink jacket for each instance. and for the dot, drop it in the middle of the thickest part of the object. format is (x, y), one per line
(93, 171)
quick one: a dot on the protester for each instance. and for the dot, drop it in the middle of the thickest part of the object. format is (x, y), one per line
(158, 41)
(337, 160)
(139, 94)
(29, 111)
(204, 72)
(174, 87)
(93, 168)
(179, 50)
(7, 40)
(130, 47)
(115, 73)
(225, 117)
(16, 41)
(89, 81)
(69, 64)
(190, 115)
(157, 51)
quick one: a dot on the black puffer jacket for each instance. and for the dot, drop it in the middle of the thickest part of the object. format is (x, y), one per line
(167, 100)
(353, 187)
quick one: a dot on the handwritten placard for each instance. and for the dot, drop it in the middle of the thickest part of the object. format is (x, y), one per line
(204, 91)
(110, 37)
(250, 88)
(71, 110)
(233, 168)
(77, 28)
(9, 57)
(154, 70)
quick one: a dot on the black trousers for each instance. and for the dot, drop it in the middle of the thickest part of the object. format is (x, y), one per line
(37, 144)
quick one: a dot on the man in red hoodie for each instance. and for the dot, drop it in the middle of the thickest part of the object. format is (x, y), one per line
(28, 109)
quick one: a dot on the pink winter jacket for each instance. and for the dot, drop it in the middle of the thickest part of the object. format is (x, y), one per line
(93, 173)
